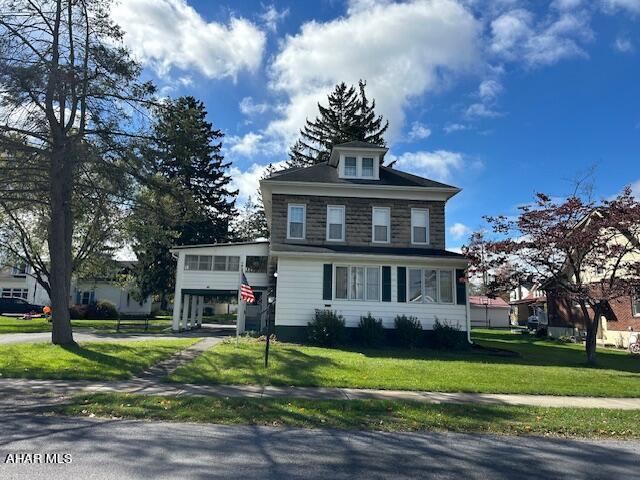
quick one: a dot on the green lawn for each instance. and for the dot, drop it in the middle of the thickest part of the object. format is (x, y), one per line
(363, 415)
(17, 325)
(90, 361)
(543, 367)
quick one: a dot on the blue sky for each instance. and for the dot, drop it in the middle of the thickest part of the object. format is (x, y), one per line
(502, 98)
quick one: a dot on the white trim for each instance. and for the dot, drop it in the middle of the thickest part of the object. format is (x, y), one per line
(428, 219)
(304, 220)
(344, 224)
(453, 262)
(373, 225)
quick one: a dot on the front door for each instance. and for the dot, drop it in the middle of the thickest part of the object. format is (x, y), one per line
(253, 313)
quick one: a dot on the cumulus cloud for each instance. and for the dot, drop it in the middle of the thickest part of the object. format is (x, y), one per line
(419, 131)
(249, 108)
(480, 110)
(166, 34)
(438, 165)
(459, 230)
(247, 182)
(489, 89)
(403, 50)
(612, 6)
(455, 127)
(518, 36)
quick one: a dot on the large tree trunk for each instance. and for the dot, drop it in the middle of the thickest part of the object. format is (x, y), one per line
(592, 333)
(60, 233)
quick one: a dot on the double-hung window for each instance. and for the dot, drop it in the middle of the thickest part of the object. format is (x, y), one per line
(296, 222)
(419, 226)
(197, 262)
(223, 263)
(357, 283)
(428, 285)
(335, 223)
(367, 167)
(350, 166)
(381, 224)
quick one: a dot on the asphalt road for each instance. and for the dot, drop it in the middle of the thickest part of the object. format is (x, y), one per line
(117, 449)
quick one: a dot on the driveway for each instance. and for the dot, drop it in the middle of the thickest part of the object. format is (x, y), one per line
(133, 449)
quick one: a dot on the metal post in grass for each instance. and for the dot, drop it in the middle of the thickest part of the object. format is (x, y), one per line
(271, 300)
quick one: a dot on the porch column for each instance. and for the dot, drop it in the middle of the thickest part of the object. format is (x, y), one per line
(200, 311)
(177, 311)
(194, 309)
(185, 312)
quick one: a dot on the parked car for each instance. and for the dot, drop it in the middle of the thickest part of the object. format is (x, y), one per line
(18, 305)
(533, 322)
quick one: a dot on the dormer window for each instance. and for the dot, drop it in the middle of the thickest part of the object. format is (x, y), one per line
(367, 167)
(350, 167)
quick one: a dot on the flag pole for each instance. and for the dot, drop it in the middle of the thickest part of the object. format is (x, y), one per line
(239, 304)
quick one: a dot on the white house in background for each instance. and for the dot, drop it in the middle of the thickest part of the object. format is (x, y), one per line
(18, 282)
(489, 312)
(350, 235)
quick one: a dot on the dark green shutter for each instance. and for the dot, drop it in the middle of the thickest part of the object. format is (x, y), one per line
(402, 284)
(327, 281)
(461, 287)
(386, 284)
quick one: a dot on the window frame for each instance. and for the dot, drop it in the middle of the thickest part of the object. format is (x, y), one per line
(290, 206)
(373, 225)
(426, 212)
(344, 167)
(438, 289)
(365, 285)
(344, 224)
(373, 167)
(264, 261)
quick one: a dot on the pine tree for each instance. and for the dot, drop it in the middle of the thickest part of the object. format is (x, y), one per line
(348, 116)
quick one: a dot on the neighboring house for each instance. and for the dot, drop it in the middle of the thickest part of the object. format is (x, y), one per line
(622, 315)
(350, 235)
(489, 312)
(18, 282)
(526, 300)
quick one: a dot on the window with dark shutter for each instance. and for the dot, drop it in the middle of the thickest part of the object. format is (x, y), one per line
(386, 284)
(327, 281)
(402, 284)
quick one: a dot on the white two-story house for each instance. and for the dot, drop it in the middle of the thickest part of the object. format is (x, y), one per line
(350, 235)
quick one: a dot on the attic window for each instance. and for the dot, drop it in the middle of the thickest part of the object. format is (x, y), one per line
(367, 167)
(350, 166)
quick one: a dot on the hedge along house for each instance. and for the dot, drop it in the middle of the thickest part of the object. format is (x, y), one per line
(349, 235)
(211, 273)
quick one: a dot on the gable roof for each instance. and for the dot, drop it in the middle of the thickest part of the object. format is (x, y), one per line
(325, 173)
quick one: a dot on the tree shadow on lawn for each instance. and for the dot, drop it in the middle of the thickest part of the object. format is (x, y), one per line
(289, 367)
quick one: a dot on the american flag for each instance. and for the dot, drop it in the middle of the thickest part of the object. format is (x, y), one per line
(246, 292)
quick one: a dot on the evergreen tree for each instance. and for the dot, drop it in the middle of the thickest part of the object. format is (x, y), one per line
(349, 116)
(196, 204)
(251, 222)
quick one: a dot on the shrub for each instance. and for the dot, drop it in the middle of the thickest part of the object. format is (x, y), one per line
(448, 336)
(102, 310)
(78, 312)
(408, 331)
(326, 329)
(370, 331)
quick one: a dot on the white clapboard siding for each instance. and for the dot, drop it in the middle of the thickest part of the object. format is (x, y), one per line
(299, 294)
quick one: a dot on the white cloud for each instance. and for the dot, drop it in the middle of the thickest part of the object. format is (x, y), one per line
(247, 182)
(516, 36)
(566, 4)
(166, 34)
(272, 16)
(623, 45)
(249, 108)
(635, 189)
(437, 165)
(455, 127)
(419, 131)
(246, 145)
(611, 6)
(459, 230)
(480, 110)
(490, 89)
(402, 50)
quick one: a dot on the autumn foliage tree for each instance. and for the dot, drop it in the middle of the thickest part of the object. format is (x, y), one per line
(587, 252)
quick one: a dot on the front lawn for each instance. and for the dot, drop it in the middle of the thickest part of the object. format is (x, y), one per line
(542, 367)
(90, 361)
(391, 416)
(18, 325)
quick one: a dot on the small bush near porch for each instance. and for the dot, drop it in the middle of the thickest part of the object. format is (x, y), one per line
(542, 367)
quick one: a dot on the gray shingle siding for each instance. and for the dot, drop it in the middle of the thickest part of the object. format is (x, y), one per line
(358, 220)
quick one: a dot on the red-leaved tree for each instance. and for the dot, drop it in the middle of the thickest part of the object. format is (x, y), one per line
(588, 252)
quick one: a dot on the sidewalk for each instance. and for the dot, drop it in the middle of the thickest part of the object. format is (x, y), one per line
(151, 386)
